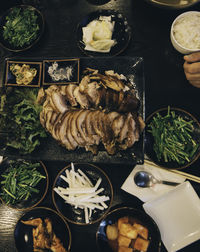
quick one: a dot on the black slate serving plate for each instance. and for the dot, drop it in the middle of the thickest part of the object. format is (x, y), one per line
(121, 33)
(5, 43)
(49, 149)
(76, 215)
(23, 233)
(149, 140)
(139, 216)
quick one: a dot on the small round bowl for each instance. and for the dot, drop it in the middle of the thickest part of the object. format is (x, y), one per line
(177, 45)
(149, 139)
(40, 20)
(23, 233)
(35, 198)
(76, 215)
(138, 216)
(121, 33)
(172, 4)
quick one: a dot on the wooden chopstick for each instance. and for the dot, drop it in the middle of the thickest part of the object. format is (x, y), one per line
(183, 174)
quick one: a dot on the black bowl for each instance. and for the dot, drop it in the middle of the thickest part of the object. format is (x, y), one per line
(76, 215)
(35, 198)
(172, 4)
(23, 233)
(139, 216)
(5, 43)
(149, 139)
(121, 33)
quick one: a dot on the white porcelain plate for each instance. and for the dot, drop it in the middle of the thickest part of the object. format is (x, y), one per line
(177, 214)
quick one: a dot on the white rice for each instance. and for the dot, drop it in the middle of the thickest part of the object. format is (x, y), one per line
(187, 31)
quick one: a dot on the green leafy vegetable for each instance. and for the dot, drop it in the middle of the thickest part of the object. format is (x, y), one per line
(19, 118)
(19, 181)
(173, 139)
(21, 27)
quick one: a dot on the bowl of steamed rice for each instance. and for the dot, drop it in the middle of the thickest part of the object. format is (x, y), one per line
(185, 32)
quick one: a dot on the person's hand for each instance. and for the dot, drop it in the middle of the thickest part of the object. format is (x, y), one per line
(192, 68)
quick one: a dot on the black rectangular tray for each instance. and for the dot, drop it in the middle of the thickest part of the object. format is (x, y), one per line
(50, 150)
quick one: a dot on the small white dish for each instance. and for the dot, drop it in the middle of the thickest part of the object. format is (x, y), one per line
(182, 48)
(177, 214)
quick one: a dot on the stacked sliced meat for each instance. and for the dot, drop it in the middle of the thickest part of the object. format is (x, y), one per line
(90, 114)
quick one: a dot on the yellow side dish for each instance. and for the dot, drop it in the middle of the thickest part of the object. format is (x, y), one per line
(24, 74)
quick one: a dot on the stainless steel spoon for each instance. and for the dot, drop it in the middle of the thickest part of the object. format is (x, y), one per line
(146, 179)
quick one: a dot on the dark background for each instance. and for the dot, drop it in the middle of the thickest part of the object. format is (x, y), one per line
(165, 84)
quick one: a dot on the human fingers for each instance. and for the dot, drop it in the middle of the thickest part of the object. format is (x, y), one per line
(193, 57)
(192, 68)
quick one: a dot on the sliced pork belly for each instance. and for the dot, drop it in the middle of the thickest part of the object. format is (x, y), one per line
(69, 93)
(81, 98)
(74, 130)
(90, 131)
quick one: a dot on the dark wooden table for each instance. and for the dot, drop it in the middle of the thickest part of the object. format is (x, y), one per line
(164, 80)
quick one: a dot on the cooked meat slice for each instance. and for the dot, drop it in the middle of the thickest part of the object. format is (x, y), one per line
(62, 132)
(52, 89)
(74, 130)
(42, 120)
(81, 98)
(124, 130)
(84, 83)
(93, 94)
(63, 89)
(108, 136)
(112, 73)
(69, 93)
(130, 102)
(53, 118)
(59, 102)
(69, 136)
(89, 124)
(117, 125)
(41, 96)
(96, 120)
(131, 137)
(48, 124)
(81, 126)
(56, 124)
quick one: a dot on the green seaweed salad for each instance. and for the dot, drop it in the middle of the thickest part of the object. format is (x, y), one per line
(20, 126)
(19, 181)
(21, 27)
(173, 137)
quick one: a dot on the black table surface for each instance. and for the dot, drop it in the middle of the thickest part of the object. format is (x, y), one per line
(165, 84)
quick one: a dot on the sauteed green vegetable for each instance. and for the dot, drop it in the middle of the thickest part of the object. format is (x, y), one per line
(173, 137)
(21, 27)
(19, 181)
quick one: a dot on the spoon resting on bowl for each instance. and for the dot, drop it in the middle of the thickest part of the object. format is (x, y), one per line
(146, 179)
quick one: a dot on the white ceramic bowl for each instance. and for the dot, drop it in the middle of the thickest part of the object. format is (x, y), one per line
(177, 45)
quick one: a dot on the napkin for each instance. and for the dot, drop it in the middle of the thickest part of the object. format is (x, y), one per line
(146, 194)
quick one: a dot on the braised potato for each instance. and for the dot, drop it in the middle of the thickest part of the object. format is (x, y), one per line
(128, 230)
(123, 241)
(141, 244)
(142, 231)
(112, 232)
(128, 235)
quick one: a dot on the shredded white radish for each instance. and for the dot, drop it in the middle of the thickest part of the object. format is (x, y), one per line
(81, 193)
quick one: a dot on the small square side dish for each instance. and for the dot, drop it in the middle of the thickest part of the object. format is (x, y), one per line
(177, 214)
